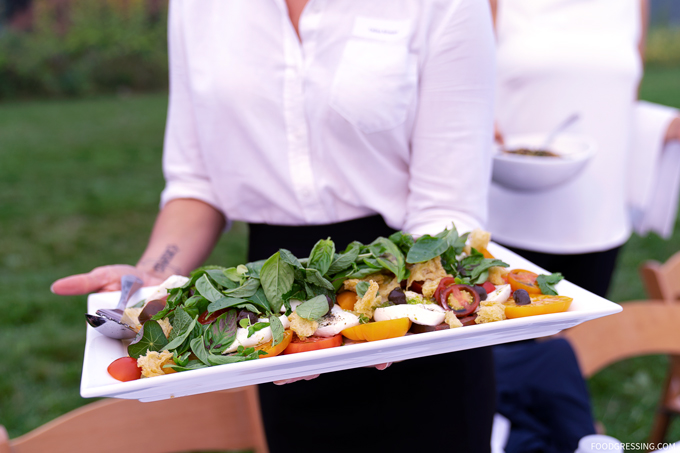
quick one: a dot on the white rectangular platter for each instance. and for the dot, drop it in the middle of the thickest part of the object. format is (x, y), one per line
(100, 351)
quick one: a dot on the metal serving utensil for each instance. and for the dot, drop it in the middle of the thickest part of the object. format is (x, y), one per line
(108, 321)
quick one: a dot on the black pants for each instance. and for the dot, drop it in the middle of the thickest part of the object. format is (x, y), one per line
(442, 403)
(541, 389)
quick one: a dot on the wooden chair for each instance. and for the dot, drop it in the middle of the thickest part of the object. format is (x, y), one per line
(662, 281)
(642, 328)
(227, 420)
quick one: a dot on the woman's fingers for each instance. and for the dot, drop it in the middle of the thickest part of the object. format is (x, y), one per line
(303, 378)
(382, 366)
(104, 278)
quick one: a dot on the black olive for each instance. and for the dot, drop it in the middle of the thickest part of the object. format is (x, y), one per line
(243, 314)
(330, 303)
(521, 297)
(397, 297)
(481, 291)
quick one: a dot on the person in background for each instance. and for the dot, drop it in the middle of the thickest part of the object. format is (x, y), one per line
(557, 58)
(310, 119)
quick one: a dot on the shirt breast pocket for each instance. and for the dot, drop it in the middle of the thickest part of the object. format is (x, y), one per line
(374, 84)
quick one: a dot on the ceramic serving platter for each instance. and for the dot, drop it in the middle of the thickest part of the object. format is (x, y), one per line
(100, 351)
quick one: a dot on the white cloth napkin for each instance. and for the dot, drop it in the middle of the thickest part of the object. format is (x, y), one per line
(653, 172)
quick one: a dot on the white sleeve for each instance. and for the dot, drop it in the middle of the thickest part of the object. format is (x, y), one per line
(450, 170)
(183, 165)
(653, 171)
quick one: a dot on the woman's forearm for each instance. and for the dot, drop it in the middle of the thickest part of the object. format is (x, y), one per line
(183, 236)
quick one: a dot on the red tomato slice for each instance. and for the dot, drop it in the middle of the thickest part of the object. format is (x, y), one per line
(523, 279)
(443, 284)
(489, 287)
(462, 299)
(312, 343)
(125, 369)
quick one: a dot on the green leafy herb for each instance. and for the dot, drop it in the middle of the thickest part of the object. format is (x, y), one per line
(313, 309)
(256, 328)
(389, 256)
(403, 241)
(191, 365)
(181, 360)
(314, 277)
(277, 330)
(199, 350)
(179, 340)
(547, 283)
(254, 268)
(221, 333)
(225, 302)
(426, 248)
(244, 323)
(247, 289)
(180, 323)
(363, 319)
(220, 277)
(322, 255)
(206, 289)
(150, 338)
(277, 278)
(361, 288)
(345, 259)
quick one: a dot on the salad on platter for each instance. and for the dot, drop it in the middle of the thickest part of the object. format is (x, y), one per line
(389, 288)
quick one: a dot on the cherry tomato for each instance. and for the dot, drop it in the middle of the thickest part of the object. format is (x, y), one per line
(380, 330)
(346, 300)
(489, 287)
(416, 287)
(312, 343)
(443, 284)
(462, 299)
(540, 305)
(125, 369)
(279, 348)
(523, 279)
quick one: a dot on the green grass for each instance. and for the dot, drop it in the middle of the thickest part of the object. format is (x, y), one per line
(79, 187)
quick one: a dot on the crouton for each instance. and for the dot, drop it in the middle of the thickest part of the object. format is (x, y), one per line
(367, 304)
(302, 327)
(152, 363)
(490, 312)
(452, 320)
(429, 270)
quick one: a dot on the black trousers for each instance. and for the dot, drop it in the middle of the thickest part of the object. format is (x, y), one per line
(442, 403)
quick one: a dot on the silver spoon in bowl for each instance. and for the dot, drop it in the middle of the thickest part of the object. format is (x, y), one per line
(108, 321)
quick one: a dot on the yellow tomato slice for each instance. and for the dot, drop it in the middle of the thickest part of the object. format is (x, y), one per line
(540, 305)
(278, 349)
(346, 300)
(523, 279)
(380, 330)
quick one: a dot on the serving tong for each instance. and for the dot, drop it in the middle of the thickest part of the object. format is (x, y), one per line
(108, 321)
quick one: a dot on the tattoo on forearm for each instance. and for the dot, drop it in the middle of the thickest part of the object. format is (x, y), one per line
(165, 258)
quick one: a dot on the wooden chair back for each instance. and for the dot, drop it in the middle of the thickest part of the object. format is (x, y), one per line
(662, 281)
(642, 328)
(227, 420)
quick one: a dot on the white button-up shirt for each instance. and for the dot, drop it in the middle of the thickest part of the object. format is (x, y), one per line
(380, 106)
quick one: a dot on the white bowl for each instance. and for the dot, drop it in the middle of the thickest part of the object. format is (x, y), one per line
(536, 173)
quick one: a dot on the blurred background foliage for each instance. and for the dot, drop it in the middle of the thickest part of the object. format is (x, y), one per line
(80, 181)
(58, 49)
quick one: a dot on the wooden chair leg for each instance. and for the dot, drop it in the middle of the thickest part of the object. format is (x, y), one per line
(669, 403)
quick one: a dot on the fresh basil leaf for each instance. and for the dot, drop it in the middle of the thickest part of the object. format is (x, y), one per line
(199, 350)
(206, 289)
(296, 292)
(191, 365)
(403, 241)
(322, 255)
(180, 323)
(313, 309)
(221, 333)
(547, 283)
(225, 302)
(244, 323)
(175, 298)
(247, 289)
(345, 259)
(254, 268)
(259, 299)
(361, 288)
(150, 338)
(180, 339)
(220, 277)
(225, 359)
(315, 290)
(256, 328)
(389, 256)
(277, 330)
(289, 258)
(426, 248)
(314, 277)
(276, 277)
(483, 267)
(250, 307)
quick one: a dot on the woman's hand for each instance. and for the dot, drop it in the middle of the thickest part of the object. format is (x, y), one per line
(104, 278)
(673, 131)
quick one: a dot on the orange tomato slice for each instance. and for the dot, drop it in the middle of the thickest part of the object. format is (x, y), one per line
(346, 300)
(380, 330)
(540, 305)
(523, 279)
(279, 348)
(486, 254)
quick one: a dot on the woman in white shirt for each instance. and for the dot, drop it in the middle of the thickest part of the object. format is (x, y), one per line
(315, 119)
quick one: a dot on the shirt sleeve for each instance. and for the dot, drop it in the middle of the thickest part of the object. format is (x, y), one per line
(183, 164)
(450, 169)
